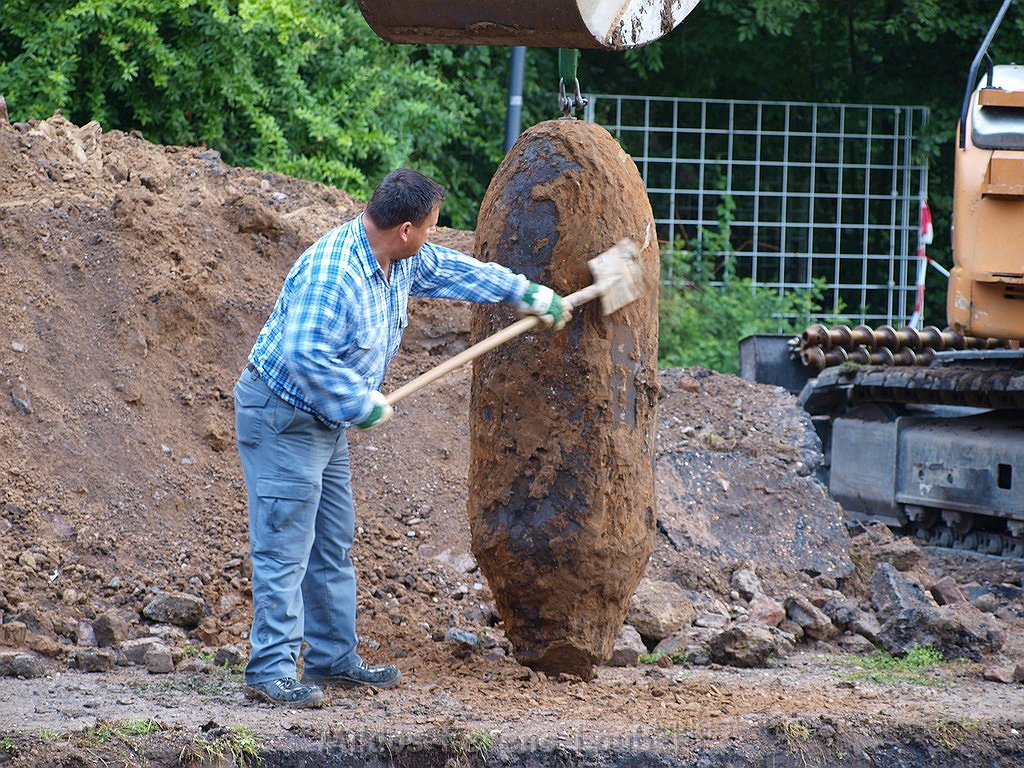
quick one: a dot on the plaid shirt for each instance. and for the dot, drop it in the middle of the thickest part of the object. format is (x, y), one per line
(339, 321)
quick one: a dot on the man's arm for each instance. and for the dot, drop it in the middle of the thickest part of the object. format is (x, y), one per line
(445, 273)
(318, 332)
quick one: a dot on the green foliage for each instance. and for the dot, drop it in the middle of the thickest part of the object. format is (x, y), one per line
(106, 731)
(298, 86)
(913, 667)
(234, 745)
(654, 658)
(705, 308)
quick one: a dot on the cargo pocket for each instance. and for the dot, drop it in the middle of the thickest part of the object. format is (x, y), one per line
(284, 502)
(250, 402)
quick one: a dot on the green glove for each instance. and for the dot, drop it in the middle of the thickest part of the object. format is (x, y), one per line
(380, 412)
(541, 300)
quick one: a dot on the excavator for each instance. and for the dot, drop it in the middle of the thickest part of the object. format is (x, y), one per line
(610, 25)
(923, 428)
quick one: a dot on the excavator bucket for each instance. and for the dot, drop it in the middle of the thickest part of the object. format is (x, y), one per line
(611, 25)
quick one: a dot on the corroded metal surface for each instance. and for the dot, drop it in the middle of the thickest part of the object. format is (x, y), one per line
(561, 493)
(615, 25)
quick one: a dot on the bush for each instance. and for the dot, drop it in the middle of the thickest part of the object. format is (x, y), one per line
(298, 86)
(706, 308)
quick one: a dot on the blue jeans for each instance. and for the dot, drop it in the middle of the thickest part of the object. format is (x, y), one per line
(301, 526)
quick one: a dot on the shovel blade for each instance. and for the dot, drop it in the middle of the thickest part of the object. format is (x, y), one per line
(617, 270)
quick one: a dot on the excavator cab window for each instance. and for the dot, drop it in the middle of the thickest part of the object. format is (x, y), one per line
(998, 119)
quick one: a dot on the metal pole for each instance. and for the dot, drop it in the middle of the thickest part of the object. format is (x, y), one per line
(513, 116)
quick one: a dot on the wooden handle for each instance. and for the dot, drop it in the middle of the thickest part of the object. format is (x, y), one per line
(521, 326)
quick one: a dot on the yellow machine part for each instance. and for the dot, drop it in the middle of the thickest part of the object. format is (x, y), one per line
(986, 286)
(604, 24)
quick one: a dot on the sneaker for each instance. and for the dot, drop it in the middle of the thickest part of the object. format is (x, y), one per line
(287, 690)
(373, 675)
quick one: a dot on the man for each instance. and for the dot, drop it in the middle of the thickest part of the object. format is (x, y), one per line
(315, 370)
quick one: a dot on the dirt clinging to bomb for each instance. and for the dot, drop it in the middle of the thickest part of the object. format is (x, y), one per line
(561, 499)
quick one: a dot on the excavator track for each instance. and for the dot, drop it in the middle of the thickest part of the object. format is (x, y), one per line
(923, 430)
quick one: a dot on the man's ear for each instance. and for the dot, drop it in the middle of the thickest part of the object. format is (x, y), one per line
(403, 230)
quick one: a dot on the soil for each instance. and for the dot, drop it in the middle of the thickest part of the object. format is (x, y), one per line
(134, 279)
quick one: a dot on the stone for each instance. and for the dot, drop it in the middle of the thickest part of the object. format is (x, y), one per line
(693, 641)
(178, 608)
(815, 624)
(910, 617)
(228, 656)
(1018, 673)
(744, 580)
(659, 608)
(134, 651)
(628, 647)
(748, 645)
(21, 664)
(562, 424)
(158, 659)
(765, 610)
(878, 544)
(110, 628)
(460, 562)
(946, 591)
(998, 674)
(13, 633)
(45, 646)
(854, 643)
(95, 659)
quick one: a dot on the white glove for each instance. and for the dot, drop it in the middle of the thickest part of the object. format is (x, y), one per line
(379, 414)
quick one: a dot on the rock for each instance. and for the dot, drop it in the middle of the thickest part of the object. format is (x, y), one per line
(792, 628)
(986, 602)
(95, 659)
(866, 624)
(158, 659)
(712, 620)
(847, 615)
(998, 674)
(460, 562)
(693, 641)
(659, 608)
(744, 580)
(812, 620)
(878, 544)
(228, 656)
(910, 617)
(13, 633)
(562, 425)
(176, 608)
(628, 647)
(765, 610)
(84, 634)
(20, 664)
(1018, 673)
(44, 645)
(134, 651)
(945, 591)
(748, 645)
(110, 629)
(854, 643)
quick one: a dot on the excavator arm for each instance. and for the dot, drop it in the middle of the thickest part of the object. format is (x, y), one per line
(612, 25)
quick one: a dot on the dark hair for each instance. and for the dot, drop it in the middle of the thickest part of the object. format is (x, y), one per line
(404, 195)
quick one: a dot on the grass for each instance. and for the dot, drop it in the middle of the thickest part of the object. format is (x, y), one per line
(913, 667)
(191, 650)
(461, 744)
(108, 730)
(236, 742)
(654, 658)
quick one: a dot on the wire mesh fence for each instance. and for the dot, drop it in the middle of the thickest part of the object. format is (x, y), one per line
(820, 192)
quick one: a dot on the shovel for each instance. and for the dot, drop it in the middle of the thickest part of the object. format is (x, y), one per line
(616, 282)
